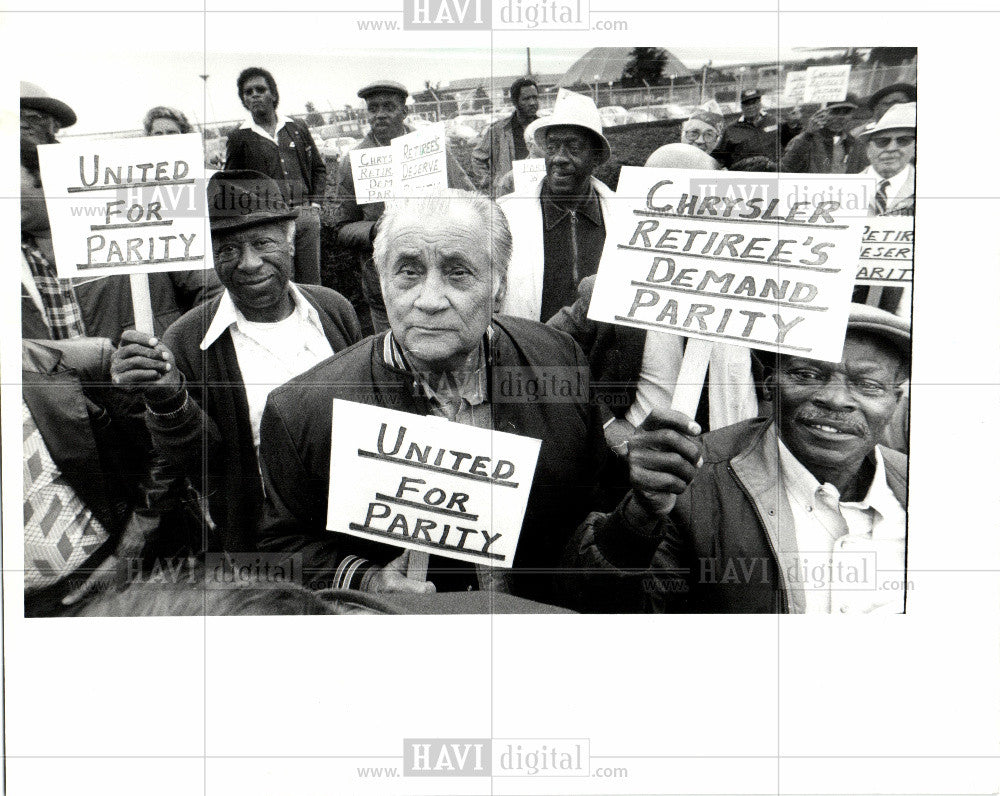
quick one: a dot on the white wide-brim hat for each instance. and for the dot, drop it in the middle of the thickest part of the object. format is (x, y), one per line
(571, 110)
(899, 117)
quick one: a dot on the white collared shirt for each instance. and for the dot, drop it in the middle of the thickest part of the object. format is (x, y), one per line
(897, 182)
(250, 124)
(269, 354)
(851, 556)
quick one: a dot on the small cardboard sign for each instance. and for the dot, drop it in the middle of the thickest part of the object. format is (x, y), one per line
(795, 87)
(759, 260)
(372, 172)
(887, 247)
(127, 206)
(427, 484)
(827, 83)
(528, 173)
(419, 162)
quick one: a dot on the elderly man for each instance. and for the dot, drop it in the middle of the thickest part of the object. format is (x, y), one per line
(703, 129)
(755, 135)
(891, 147)
(442, 262)
(354, 224)
(503, 142)
(562, 218)
(43, 116)
(825, 145)
(206, 382)
(283, 149)
(783, 514)
(878, 103)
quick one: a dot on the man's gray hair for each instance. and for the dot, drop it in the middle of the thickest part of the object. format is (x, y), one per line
(494, 223)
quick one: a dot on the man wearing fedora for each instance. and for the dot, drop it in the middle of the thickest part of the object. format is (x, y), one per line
(282, 148)
(43, 116)
(891, 147)
(206, 382)
(561, 217)
(825, 145)
(790, 513)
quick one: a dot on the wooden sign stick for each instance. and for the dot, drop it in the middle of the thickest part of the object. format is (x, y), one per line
(416, 567)
(691, 378)
(142, 306)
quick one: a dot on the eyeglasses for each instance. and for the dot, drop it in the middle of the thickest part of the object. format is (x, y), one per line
(708, 136)
(230, 253)
(882, 141)
(574, 148)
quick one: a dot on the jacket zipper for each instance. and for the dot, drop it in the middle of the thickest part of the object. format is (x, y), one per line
(767, 536)
(572, 238)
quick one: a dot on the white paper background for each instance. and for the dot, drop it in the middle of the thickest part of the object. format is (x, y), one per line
(740, 705)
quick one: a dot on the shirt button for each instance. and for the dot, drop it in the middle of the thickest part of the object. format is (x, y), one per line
(843, 609)
(809, 508)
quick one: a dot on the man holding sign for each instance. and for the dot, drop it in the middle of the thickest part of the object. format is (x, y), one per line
(784, 514)
(354, 222)
(442, 262)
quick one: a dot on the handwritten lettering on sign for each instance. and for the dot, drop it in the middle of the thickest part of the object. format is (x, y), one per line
(129, 206)
(372, 172)
(887, 248)
(756, 260)
(427, 484)
(420, 162)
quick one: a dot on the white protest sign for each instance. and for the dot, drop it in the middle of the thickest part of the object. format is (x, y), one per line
(759, 260)
(426, 484)
(886, 251)
(127, 206)
(795, 87)
(528, 173)
(827, 83)
(372, 172)
(419, 162)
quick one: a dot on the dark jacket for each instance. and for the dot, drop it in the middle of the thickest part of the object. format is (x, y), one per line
(295, 453)
(812, 153)
(718, 551)
(305, 180)
(95, 438)
(212, 437)
(766, 137)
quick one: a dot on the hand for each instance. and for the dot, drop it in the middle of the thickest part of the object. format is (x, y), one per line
(586, 288)
(392, 578)
(109, 574)
(617, 436)
(143, 363)
(664, 456)
(817, 121)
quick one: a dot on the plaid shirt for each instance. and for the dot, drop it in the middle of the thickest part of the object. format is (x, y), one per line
(61, 309)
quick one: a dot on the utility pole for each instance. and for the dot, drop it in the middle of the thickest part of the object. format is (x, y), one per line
(529, 61)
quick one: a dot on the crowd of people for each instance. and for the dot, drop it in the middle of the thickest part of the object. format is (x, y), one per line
(211, 437)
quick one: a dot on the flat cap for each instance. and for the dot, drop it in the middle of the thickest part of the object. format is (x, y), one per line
(383, 87)
(882, 324)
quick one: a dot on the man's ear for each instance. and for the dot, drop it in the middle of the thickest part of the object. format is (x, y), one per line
(767, 385)
(500, 294)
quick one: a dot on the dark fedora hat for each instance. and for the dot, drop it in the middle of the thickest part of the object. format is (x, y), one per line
(241, 199)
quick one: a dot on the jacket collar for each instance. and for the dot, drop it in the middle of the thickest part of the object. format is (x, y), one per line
(227, 314)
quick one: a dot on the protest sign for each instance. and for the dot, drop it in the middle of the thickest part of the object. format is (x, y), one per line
(528, 173)
(827, 83)
(426, 484)
(372, 172)
(419, 162)
(754, 259)
(127, 206)
(795, 87)
(886, 251)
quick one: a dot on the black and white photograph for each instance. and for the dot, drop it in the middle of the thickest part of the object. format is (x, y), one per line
(591, 344)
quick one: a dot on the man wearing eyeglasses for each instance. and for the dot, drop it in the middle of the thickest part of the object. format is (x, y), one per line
(561, 217)
(205, 384)
(825, 145)
(802, 512)
(891, 146)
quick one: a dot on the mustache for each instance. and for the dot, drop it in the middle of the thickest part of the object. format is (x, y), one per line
(841, 421)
